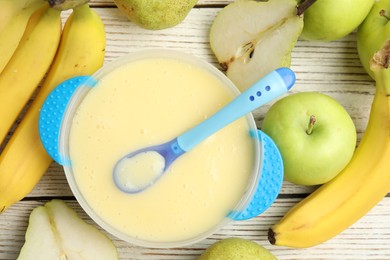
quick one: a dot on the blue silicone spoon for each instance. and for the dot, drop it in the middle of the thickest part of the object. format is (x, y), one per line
(271, 86)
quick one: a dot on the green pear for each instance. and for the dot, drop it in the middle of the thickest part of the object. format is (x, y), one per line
(156, 14)
(236, 248)
(56, 232)
(251, 38)
(373, 33)
(328, 20)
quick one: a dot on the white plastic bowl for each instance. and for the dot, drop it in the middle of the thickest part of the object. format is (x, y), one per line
(83, 90)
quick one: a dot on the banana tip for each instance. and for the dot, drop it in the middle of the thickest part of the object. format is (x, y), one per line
(271, 236)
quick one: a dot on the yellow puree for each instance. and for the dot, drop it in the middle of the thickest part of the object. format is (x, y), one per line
(140, 170)
(149, 102)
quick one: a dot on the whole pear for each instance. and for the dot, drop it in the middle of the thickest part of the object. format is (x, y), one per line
(236, 248)
(328, 20)
(156, 14)
(373, 33)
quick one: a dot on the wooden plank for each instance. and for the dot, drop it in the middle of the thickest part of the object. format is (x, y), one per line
(369, 238)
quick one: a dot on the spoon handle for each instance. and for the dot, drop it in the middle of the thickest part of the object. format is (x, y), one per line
(271, 86)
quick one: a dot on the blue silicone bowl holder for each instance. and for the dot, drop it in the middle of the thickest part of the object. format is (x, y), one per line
(266, 190)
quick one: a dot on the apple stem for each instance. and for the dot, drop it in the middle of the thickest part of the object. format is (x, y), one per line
(303, 5)
(312, 122)
(384, 14)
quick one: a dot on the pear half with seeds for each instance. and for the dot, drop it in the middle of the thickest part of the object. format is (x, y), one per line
(251, 38)
(55, 231)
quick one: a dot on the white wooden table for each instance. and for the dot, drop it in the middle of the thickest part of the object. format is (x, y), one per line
(332, 68)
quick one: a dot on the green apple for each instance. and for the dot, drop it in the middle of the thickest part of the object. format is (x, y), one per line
(156, 14)
(373, 33)
(236, 248)
(315, 135)
(328, 20)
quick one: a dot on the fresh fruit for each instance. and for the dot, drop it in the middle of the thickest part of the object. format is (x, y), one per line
(373, 33)
(156, 14)
(251, 38)
(358, 188)
(12, 30)
(328, 20)
(28, 64)
(66, 4)
(55, 231)
(24, 160)
(10, 8)
(315, 135)
(236, 248)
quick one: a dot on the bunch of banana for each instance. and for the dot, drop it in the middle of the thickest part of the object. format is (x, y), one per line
(81, 52)
(29, 64)
(359, 187)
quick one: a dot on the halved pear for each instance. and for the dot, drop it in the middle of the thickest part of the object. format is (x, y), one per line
(251, 38)
(55, 231)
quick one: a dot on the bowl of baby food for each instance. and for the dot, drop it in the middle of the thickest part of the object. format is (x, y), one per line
(143, 99)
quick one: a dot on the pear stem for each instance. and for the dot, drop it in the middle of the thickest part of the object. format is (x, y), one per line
(312, 122)
(384, 14)
(303, 5)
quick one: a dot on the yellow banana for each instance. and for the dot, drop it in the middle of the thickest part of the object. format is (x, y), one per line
(24, 160)
(14, 16)
(28, 65)
(359, 187)
(9, 9)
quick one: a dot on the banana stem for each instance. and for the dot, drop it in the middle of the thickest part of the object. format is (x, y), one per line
(312, 122)
(379, 64)
(66, 4)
